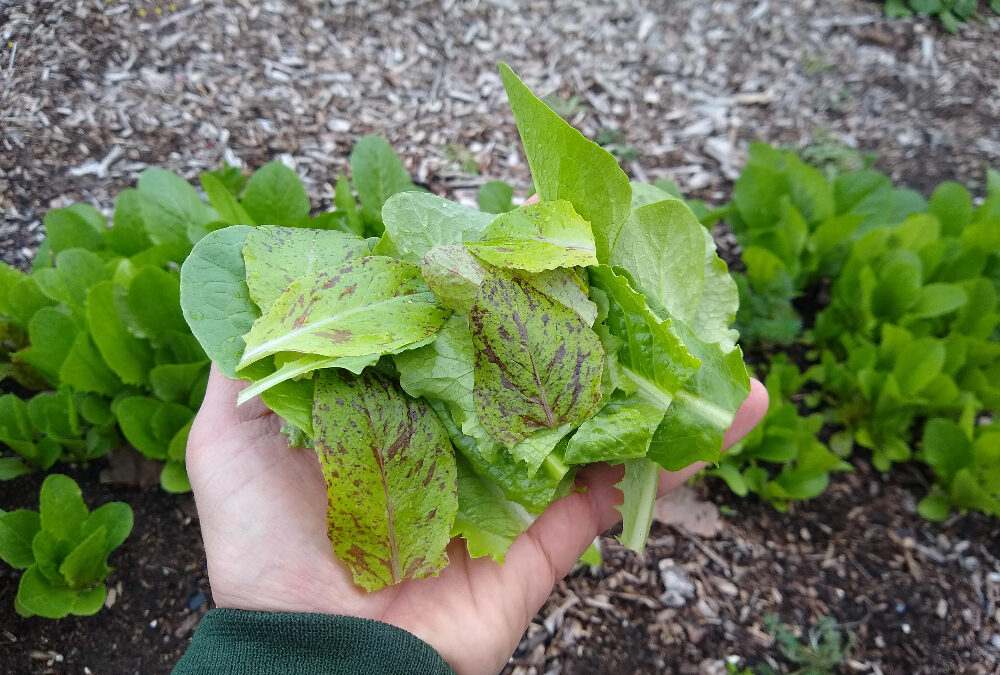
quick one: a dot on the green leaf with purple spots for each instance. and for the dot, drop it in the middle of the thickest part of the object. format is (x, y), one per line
(454, 275)
(538, 237)
(372, 305)
(538, 364)
(391, 478)
(277, 256)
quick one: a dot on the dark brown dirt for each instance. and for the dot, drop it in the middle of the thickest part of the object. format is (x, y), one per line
(159, 588)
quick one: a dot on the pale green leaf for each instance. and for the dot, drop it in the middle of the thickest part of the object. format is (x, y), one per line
(537, 237)
(275, 196)
(487, 521)
(417, 222)
(565, 165)
(378, 175)
(129, 357)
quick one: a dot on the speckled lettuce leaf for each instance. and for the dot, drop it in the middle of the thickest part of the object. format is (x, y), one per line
(565, 165)
(537, 237)
(277, 256)
(671, 257)
(454, 275)
(621, 430)
(372, 305)
(416, 222)
(445, 371)
(651, 354)
(302, 365)
(565, 286)
(215, 299)
(487, 521)
(391, 478)
(535, 492)
(538, 365)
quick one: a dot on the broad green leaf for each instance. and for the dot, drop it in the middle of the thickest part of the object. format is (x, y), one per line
(445, 370)
(565, 286)
(934, 507)
(495, 197)
(373, 305)
(174, 215)
(486, 519)
(174, 479)
(918, 364)
(61, 507)
(639, 490)
(565, 165)
(537, 237)
(174, 381)
(936, 300)
(38, 595)
(534, 493)
(75, 272)
(116, 520)
(952, 205)
(66, 229)
(275, 196)
(417, 222)
(303, 365)
(644, 193)
(11, 468)
(538, 365)
(277, 256)
(52, 334)
(127, 235)
(85, 370)
(651, 353)
(391, 479)
(622, 429)
(292, 400)
(214, 296)
(344, 201)
(8, 278)
(17, 529)
(230, 210)
(378, 175)
(129, 357)
(967, 492)
(946, 448)
(154, 303)
(25, 298)
(672, 259)
(85, 564)
(149, 425)
(454, 276)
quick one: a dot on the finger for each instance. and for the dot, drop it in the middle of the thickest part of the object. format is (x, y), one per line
(220, 401)
(569, 525)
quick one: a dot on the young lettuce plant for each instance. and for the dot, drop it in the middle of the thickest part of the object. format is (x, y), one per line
(63, 550)
(453, 373)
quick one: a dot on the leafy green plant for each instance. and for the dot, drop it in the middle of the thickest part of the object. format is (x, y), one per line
(490, 354)
(824, 649)
(97, 328)
(782, 459)
(949, 12)
(796, 228)
(63, 549)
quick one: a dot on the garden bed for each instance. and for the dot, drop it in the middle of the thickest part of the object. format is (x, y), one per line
(187, 89)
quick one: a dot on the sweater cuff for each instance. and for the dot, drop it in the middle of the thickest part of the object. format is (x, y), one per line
(246, 643)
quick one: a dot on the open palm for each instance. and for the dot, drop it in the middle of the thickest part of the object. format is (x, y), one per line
(263, 517)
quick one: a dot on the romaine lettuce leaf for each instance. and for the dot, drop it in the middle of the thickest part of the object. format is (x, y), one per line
(416, 222)
(389, 465)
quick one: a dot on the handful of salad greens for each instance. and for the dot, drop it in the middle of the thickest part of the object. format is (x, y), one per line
(453, 373)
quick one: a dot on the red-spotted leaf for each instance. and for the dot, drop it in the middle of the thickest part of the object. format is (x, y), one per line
(538, 365)
(372, 305)
(391, 478)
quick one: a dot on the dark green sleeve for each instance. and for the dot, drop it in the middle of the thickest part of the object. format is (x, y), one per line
(235, 642)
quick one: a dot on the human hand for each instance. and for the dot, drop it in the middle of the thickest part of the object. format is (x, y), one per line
(263, 518)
